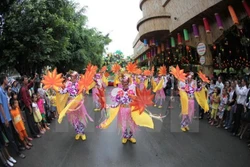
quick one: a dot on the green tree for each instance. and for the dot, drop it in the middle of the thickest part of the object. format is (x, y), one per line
(40, 33)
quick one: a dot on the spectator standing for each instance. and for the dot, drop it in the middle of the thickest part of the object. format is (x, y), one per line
(6, 120)
(241, 99)
(26, 99)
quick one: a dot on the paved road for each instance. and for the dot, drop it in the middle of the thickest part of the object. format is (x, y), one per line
(166, 146)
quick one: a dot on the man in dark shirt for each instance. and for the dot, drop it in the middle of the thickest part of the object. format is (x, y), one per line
(26, 99)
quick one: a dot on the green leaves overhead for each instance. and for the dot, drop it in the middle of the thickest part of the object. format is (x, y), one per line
(38, 33)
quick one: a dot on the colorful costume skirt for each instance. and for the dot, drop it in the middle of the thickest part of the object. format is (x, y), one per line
(79, 117)
(125, 121)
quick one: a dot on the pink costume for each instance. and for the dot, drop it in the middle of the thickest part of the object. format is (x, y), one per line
(99, 84)
(189, 88)
(40, 104)
(160, 94)
(125, 120)
(79, 116)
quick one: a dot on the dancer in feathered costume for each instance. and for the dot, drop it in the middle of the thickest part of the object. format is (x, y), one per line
(159, 89)
(78, 116)
(130, 104)
(188, 91)
(70, 100)
(99, 84)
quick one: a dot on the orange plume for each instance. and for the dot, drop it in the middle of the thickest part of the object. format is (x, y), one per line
(92, 68)
(101, 98)
(131, 67)
(106, 74)
(141, 100)
(162, 71)
(52, 80)
(138, 71)
(103, 69)
(178, 73)
(86, 80)
(147, 73)
(203, 77)
(116, 68)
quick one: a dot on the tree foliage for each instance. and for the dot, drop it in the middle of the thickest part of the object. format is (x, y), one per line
(40, 33)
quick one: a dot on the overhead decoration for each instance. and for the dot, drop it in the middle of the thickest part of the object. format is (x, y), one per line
(153, 42)
(179, 39)
(186, 36)
(167, 45)
(145, 42)
(233, 15)
(172, 42)
(219, 21)
(206, 25)
(158, 49)
(247, 8)
(162, 47)
(195, 31)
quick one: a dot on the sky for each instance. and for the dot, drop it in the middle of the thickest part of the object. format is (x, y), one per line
(116, 17)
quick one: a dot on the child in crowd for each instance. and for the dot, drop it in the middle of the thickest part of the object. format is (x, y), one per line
(222, 107)
(36, 113)
(40, 103)
(215, 101)
(18, 124)
(52, 98)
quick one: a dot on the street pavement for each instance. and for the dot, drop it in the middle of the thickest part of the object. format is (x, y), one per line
(165, 146)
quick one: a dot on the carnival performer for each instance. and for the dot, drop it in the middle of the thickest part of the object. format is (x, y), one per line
(130, 106)
(70, 101)
(125, 121)
(99, 84)
(79, 116)
(189, 90)
(159, 89)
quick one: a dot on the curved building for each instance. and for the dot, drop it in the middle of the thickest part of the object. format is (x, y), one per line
(171, 31)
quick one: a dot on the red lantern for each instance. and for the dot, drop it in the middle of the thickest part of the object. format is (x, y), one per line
(206, 25)
(179, 39)
(246, 7)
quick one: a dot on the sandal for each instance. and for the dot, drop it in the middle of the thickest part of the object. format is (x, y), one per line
(29, 144)
(27, 147)
(30, 139)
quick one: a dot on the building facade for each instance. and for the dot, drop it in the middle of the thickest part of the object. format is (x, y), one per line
(186, 32)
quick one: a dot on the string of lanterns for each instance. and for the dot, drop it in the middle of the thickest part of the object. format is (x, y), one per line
(155, 48)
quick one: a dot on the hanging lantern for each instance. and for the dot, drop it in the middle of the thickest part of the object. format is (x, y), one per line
(219, 22)
(167, 45)
(206, 25)
(158, 50)
(153, 41)
(179, 39)
(162, 47)
(156, 43)
(186, 36)
(233, 15)
(172, 42)
(247, 8)
(145, 42)
(195, 31)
